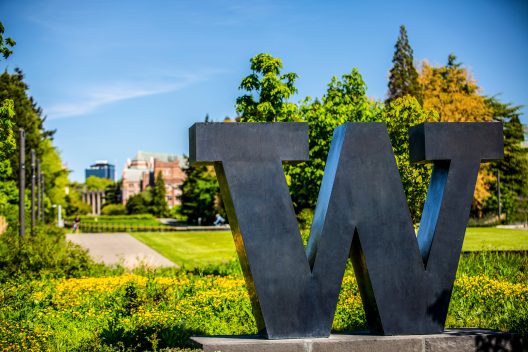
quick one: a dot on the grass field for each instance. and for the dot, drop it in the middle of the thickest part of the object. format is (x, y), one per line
(491, 238)
(191, 249)
(196, 249)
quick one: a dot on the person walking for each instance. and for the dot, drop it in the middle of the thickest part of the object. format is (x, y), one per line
(219, 220)
(76, 224)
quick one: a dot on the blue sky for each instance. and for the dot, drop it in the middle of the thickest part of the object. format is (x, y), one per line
(115, 77)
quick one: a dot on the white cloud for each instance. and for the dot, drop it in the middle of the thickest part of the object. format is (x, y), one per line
(104, 94)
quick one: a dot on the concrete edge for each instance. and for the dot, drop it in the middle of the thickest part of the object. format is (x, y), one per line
(463, 340)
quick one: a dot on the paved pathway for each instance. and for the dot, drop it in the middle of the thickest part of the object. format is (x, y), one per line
(119, 248)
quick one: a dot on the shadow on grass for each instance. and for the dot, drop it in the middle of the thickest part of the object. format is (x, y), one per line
(149, 338)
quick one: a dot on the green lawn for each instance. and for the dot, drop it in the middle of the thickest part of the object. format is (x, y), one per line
(195, 249)
(491, 238)
(192, 249)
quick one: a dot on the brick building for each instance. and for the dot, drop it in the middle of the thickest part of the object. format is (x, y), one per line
(142, 171)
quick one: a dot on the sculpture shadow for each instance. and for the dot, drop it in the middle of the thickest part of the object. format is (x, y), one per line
(501, 343)
(438, 309)
(149, 338)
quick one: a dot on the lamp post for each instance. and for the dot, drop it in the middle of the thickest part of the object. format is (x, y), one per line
(22, 181)
(33, 191)
(39, 200)
(43, 194)
(499, 194)
(60, 223)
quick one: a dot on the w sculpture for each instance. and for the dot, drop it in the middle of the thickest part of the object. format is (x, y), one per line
(405, 280)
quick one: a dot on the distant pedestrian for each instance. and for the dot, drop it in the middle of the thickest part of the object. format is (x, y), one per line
(219, 220)
(76, 224)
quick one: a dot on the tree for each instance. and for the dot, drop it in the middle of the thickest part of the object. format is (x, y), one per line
(138, 204)
(8, 188)
(344, 101)
(514, 167)
(113, 193)
(403, 79)
(94, 183)
(27, 116)
(400, 115)
(7, 138)
(200, 197)
(74, 204)
(158, 205)
(452, 92)
(272, 88)
(5, 44)
(55, 177)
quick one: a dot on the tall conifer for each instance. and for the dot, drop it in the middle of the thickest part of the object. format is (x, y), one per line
(159, 202)
(403, 78)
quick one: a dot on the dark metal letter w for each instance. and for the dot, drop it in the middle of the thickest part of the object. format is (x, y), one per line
(405, 281)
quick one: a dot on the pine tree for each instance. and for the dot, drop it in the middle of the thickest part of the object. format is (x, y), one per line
(514, 167)
(403, 78)
(200, 195)
(159, 206)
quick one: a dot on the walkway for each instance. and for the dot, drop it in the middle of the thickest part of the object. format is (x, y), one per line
(119, 248)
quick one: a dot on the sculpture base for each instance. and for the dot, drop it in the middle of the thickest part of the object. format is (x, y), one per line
(452, 340)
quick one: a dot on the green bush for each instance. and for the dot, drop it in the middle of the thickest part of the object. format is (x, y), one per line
(157, 309)
(305, 218)
(104, 223)
(55, 298)
(115, 218)
(45, 253)
(138, 203)
(113, 209)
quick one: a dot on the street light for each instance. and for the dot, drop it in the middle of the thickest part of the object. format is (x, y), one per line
(60, 222)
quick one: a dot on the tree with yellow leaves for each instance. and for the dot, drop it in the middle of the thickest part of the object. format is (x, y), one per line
(453, 93)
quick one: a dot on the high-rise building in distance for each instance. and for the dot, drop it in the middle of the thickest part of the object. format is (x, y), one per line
(101, 169)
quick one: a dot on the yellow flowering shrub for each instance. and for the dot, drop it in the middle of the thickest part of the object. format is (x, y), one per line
(139, 312)
(482, 287)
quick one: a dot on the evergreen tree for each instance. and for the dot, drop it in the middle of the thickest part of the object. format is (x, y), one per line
(113, 193)
(137, 204)
(514, 167)
(200, 198)
(403, 79)
(159, 206)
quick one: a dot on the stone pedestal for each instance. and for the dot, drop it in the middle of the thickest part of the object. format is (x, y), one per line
(452, 340)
